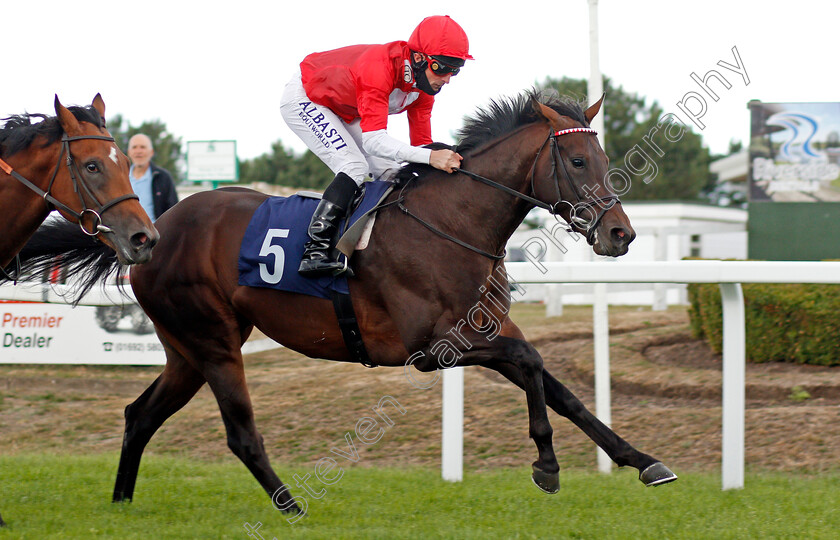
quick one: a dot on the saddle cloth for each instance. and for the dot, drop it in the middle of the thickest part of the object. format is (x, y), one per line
(273, 244)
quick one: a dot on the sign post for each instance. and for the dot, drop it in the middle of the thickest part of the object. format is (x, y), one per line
(212, 161)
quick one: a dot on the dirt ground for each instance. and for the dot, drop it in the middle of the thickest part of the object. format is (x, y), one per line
(666, 401)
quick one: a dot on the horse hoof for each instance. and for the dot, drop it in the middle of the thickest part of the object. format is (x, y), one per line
(293, 510)
(548, 482)
(656, 475)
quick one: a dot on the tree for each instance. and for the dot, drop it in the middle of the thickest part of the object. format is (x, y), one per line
(735, 146)
(282, 167)
(270, 167)
(657, 167)
(167, 146)
(310, 172)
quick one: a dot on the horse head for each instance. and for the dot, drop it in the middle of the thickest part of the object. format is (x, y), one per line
(94, 187)
(570, 175)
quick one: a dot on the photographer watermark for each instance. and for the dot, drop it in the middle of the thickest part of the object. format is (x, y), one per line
(641, 159)
(480, 318)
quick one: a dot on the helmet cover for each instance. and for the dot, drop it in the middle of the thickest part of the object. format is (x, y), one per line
(440, 35)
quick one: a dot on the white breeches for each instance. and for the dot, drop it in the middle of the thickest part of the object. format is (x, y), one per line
(336, 142)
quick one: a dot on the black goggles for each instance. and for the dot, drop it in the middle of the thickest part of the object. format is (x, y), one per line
(440, 68)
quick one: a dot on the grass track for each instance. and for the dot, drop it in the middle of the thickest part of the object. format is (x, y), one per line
(186, 498)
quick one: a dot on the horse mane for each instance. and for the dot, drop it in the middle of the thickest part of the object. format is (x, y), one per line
(507, 114)
(499, 118)
(19, 131)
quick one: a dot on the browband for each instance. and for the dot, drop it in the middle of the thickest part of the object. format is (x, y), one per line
(575, 130)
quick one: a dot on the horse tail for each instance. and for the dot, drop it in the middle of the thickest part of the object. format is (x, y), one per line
(61, 246)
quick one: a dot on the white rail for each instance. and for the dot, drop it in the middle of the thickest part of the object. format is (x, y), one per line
(609, 271)
(58, 293)
(729, 274)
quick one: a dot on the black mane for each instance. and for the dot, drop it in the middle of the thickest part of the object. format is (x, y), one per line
(507, 114)
(18, 132)
(500, 118)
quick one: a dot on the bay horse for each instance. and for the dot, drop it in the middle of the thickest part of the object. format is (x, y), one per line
(91, 189)
(413, 289)
(69, 163)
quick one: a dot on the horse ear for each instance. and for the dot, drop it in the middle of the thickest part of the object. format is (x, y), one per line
(540, 109)
(68, 122)
(590, 113)
(99, 105)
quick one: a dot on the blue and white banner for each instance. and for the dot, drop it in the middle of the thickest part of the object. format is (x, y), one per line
(795, 152)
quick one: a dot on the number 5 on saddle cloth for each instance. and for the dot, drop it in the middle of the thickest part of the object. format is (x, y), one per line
(273, 245)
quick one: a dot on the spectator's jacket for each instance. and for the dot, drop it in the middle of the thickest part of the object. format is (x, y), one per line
(164, 195)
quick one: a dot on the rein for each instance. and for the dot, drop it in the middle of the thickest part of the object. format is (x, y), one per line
(575, 220)
(442, 234)
(54, 203)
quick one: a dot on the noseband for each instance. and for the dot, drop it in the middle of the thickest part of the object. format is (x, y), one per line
(78, 181)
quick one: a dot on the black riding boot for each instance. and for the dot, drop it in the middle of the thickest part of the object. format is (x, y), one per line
(323, 229)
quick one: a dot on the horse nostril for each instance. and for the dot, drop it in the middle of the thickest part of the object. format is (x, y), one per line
(139, 240)
(621, 236)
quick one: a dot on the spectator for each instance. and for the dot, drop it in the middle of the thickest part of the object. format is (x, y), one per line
(151, 183)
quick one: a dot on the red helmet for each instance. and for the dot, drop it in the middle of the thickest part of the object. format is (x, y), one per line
(440, 35)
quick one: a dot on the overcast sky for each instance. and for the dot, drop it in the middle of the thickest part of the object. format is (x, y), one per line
(215, 70)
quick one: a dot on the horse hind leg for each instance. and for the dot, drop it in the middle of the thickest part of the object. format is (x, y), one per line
(173, 388)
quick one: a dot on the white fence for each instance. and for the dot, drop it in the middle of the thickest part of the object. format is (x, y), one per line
(729, 274)
(58, 293)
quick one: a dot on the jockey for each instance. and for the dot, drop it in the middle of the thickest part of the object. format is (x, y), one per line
(339, 103)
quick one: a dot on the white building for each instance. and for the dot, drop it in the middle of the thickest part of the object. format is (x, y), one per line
(665, 232)
(732, 184)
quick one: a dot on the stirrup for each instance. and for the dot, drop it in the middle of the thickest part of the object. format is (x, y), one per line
(345, 270)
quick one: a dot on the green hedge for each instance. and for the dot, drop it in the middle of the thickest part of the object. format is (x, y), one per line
(785, 323)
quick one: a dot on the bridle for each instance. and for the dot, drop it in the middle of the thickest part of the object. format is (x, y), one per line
(53, 203)
(580, 206)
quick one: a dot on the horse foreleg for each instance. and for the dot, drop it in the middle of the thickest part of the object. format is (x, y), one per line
(565, 403)
(529, 363)
(171, 390)
(228, 384)
(2, 523)
(526, 362)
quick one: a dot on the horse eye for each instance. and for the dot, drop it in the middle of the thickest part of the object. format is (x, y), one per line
(577, 163)
(92, 167)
